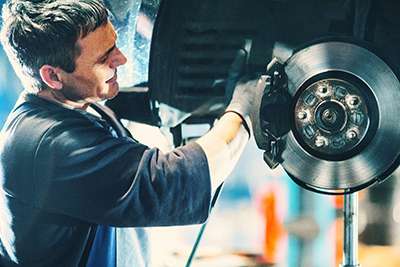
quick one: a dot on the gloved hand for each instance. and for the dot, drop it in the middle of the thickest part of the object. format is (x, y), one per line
(263, 104)
(246, 94)
(246, 101)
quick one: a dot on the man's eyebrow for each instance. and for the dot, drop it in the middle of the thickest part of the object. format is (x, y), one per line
(106, 53)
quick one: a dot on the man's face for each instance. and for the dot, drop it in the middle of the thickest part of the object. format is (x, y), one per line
(95, 74)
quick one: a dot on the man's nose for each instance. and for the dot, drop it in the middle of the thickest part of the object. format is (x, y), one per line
(118, 59)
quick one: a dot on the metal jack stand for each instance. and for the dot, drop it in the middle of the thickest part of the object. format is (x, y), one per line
(350, 241)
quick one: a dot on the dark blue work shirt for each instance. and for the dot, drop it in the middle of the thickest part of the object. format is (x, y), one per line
(65, 176)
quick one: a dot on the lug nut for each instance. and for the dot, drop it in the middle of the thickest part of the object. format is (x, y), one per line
(320, 141)
(322, 88)
(351, 134)
(302, 115)
(353, 101)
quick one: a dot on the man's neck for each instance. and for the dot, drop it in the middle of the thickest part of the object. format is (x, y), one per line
(59, 98)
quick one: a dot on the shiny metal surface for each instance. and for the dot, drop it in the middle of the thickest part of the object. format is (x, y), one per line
(331, 117)
(383, 148)
(350, 237)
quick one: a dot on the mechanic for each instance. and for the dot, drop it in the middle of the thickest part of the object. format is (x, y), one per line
(70, 179)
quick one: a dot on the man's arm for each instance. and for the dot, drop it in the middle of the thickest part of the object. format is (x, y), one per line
(83, 172)
(226, 141)
(223, 145)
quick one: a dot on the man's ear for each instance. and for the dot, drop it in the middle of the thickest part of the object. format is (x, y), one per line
(50, 76)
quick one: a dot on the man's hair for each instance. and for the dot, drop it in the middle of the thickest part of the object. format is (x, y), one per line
(38, 32)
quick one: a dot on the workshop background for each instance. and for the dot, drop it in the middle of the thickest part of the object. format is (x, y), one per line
(262, 217)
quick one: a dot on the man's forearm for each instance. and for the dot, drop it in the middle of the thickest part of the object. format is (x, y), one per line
(223, 145)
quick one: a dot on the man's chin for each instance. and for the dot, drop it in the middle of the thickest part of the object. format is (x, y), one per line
(112, 91)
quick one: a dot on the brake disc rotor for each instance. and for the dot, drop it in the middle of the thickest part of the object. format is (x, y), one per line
(345, 132)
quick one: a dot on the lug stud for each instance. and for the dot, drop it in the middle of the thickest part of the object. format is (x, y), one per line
(320, 141)
(302, 115)
(351, 134)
